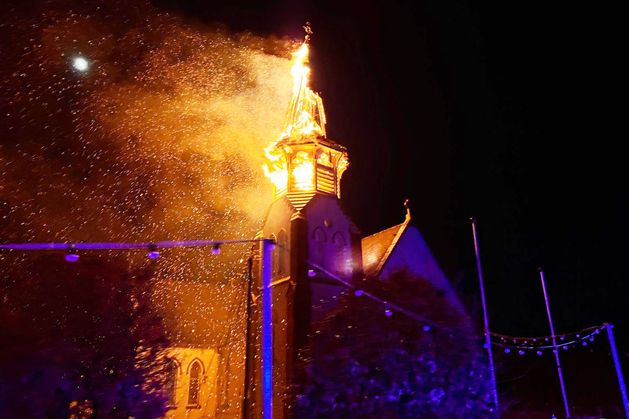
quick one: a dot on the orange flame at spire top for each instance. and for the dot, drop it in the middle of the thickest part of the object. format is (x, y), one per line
(305, 118)
(306, 115)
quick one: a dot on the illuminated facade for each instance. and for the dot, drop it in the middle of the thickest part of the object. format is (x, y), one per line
(192, 383)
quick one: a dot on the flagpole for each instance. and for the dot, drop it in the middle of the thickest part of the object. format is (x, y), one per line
(485, 319)
(555, 349)
(621, 380)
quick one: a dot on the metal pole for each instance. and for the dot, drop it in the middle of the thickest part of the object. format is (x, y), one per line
(248, 348)
(267, 330)
(485, 319)
(555, 349)
(621, 380)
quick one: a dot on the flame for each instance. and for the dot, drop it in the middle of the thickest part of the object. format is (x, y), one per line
(303, 172)
(305, 117)
(305, 113)
(275, 169)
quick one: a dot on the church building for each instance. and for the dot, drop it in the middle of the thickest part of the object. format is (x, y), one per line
(319, 252)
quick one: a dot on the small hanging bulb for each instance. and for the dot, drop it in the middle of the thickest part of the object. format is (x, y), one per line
(507, 350)
(153, 253)
(216, 249)
(388, 313)
(312, 273)
(426, 328)
(358, 293)
(521, 352)
(71, 255)
(539, 353)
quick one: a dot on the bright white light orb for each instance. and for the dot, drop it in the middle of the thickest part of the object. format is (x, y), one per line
(80, 64)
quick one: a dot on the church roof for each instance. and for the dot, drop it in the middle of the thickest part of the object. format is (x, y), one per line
(377, 247)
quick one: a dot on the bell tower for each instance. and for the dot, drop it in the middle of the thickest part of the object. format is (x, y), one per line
(312, 233)
(304, 162)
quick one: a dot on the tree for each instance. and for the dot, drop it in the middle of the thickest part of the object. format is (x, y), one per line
(363, 362)
(80, 338)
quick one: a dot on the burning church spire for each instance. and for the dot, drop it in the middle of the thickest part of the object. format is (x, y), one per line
(319, 250)
(303, 161)
(306, 115)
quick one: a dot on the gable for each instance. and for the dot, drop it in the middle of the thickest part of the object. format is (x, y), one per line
(411, 253)
(377, 248)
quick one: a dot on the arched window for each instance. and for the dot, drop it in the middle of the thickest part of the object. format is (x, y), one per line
(319, 235)
(319, 238)
(195, 384)
(282, 253)
(171, 381)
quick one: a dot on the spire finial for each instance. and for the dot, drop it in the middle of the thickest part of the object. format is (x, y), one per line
(308, 30)
(407, 205)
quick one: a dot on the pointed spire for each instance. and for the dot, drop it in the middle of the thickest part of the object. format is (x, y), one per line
(308, 31)
(305, 115)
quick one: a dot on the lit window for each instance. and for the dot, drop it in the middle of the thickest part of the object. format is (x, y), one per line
(195, 384)
(171, 381)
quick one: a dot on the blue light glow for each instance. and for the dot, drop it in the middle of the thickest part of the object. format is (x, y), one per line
(267, 331)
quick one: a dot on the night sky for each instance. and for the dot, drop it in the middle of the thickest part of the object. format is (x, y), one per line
(500, 111)
(505, 112)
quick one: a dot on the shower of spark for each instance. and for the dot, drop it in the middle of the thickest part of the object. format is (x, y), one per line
(164, 139)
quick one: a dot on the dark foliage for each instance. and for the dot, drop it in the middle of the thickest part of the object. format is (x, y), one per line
(78, 338)
(362, 363)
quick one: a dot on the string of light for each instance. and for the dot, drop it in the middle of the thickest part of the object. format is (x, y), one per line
(389, 307)
(509, 343)
(519, 344)
(539, 344)
(533, 342)
(152, 248)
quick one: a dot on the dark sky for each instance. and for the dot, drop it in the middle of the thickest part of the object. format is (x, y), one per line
(504, 112)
